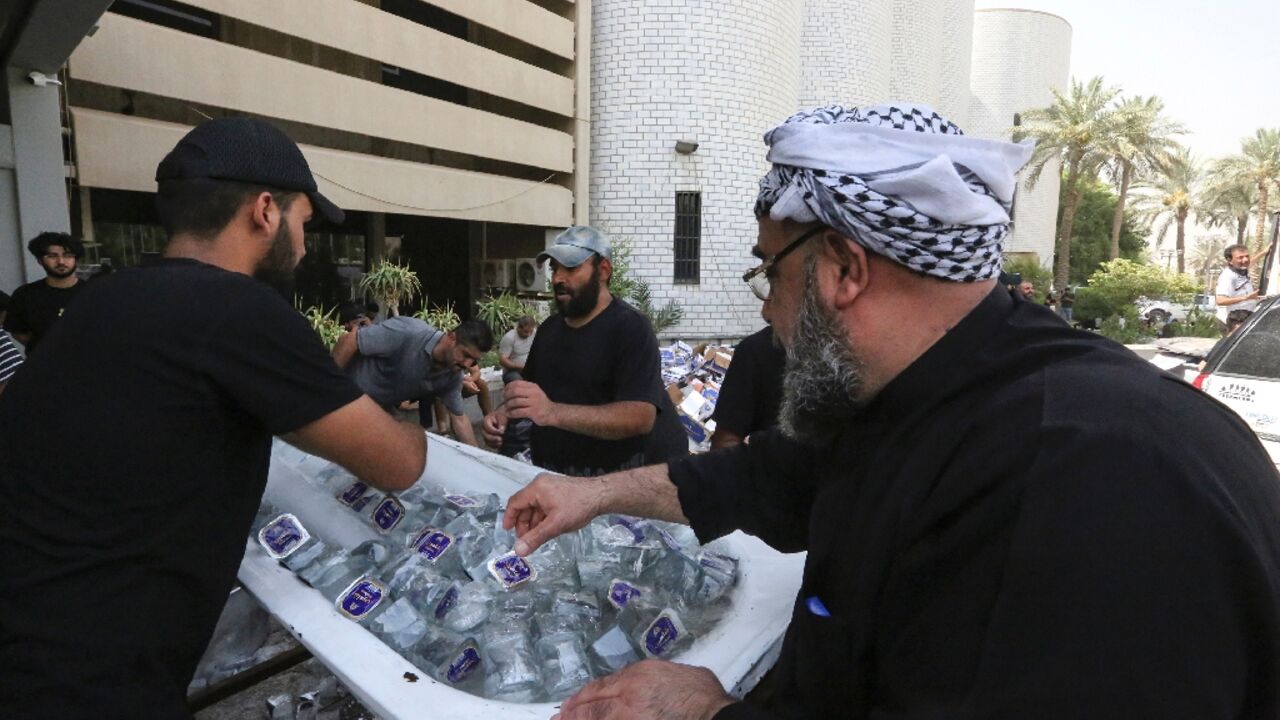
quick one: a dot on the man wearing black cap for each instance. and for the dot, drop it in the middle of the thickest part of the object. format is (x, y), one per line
(128, 501)
(592, 385)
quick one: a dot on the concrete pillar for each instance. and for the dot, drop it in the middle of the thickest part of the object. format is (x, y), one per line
(39, 171)
(375, 238)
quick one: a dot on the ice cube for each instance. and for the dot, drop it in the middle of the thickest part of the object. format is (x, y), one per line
(400, 626)
(471, 607)
(511, 669)
(612, 651)
(562, 658)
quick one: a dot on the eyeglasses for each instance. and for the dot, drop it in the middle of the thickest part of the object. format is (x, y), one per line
(757, 278)
(59, 256)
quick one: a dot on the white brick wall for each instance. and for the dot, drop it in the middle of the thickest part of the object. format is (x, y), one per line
(719, 74)
(844, 53)
(1018, 56)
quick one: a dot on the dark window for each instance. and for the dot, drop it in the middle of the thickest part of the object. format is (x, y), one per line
(688, 249)
(170, 14)
(1257, 352)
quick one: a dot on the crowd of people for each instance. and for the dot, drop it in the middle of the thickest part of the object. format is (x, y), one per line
(997, 524)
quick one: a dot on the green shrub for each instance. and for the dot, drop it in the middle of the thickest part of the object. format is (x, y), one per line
(1126, 327)
(325, 323)
(440, 317)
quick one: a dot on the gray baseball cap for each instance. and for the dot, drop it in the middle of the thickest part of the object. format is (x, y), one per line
(573, 246)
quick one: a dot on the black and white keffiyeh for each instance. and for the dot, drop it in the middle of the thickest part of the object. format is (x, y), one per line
(901, 180)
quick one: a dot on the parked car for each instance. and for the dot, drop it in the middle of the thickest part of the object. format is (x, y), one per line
(1243, 372)
(1164, 311)
(1182, 355)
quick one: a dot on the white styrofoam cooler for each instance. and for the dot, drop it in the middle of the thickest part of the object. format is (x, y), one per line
(738, 650)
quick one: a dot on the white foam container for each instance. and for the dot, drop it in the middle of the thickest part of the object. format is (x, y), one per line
(738, 650)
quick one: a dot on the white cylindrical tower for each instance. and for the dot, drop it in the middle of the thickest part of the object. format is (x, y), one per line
(916, 51)
(715, 74)
(1019, 57)
(845, 53)
(957, 51)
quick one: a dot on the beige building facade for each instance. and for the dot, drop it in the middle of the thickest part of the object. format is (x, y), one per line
(453, 132)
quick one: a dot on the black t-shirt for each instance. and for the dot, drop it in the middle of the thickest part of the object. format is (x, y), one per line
(752, 389)
(613, 358)
(134, 457)
(35, 307)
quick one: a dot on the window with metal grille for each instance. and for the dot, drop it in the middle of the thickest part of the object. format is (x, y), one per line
(688, 237)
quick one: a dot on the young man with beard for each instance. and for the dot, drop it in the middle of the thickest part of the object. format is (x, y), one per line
(135, 449)
(592, 382)
(1004, 517)
(36, 306)
(1235, 288)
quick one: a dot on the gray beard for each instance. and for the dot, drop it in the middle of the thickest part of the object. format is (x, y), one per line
(823, 377)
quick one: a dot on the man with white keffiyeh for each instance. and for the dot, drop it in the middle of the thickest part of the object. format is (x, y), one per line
(1004, 517)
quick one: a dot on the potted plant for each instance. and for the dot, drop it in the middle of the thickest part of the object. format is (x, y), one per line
(389, 283)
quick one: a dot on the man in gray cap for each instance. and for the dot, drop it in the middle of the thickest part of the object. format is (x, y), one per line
(592, 382)
(135, 452)
(1004, 517)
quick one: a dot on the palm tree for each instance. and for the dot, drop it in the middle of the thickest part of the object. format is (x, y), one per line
(1144, 142)
(1205, 254)
(1075, 129)
(1168, 198)
(1227, 202)
(1259, 164)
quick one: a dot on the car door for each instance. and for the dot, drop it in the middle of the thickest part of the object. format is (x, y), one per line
(1245, 375)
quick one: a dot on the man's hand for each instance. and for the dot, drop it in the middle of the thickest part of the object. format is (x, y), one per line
(495, 423)
(649, 690)
(552, 505)
(526, 400)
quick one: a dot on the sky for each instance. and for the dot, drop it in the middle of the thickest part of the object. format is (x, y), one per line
(1215, 65)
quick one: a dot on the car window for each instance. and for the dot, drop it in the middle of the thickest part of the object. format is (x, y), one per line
(1257, 352)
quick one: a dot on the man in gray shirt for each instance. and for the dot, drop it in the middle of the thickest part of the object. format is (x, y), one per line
(514, 347)
(404, 358)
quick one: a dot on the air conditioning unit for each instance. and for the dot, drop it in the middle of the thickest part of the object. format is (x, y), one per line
(498, 274)
(531, 276)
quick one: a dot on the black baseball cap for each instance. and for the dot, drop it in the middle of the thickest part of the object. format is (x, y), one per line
(245, 150)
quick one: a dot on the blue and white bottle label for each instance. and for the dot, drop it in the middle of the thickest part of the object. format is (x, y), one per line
(621, 592)
(462, 501)
(361, 598)
(663, 633)
(432, 543)
(511, 571)
(352, 493)
(388, 514)
(447, 602)
(466, 663)
(283, 536)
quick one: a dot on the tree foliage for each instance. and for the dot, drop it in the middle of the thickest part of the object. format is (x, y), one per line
(628, 286)
(1091, 232)
(1078, 130)
(1168, 198)
(1118, 283)
(1258, 163)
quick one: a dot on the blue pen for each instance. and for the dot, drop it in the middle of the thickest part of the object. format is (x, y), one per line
(816, 607)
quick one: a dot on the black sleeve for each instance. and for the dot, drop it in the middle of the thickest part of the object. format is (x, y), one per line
(530, 371)
(743, 711)
(637, 372)
(764, 488)
(16, 319)
(1130, 589)
(272, 363)
(735, 408)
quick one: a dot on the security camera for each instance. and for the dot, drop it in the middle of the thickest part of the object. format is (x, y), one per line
(39, 79)
(686, 147)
